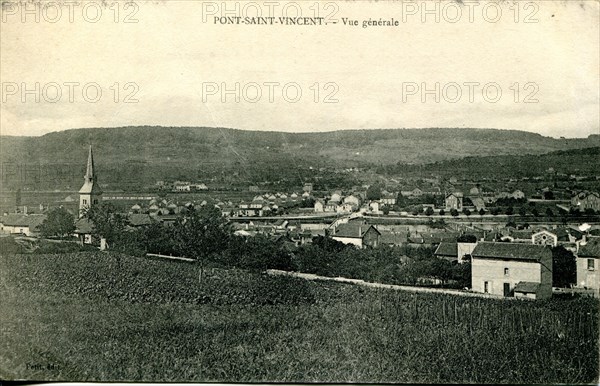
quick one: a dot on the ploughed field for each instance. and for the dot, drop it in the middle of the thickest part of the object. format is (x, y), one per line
(105, 317)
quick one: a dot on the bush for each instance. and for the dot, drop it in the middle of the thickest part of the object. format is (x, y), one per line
(8, 245)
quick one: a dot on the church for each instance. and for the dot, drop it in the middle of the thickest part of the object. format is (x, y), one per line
(90, 195)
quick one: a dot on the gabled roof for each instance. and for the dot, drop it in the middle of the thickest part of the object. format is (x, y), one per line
(511, 251)
(24, 220)
(353, 230)
(590, 249)
(447, 249)
(139, 219)
(455, 194)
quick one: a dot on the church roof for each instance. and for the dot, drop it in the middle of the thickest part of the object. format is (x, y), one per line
(90, 184)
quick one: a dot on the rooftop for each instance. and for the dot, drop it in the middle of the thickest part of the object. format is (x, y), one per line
(590, 249)
(354, 230)
(511, 251)
(447, 249)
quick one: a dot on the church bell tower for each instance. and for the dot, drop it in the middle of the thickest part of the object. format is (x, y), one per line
(90, 193)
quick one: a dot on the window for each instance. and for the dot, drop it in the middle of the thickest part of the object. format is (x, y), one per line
(505, 271)
(486, 287)
(590, 263)
(84, 201)
(95, 202)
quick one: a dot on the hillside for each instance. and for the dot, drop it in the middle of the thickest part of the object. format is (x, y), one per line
(582, 162)
(145, 154)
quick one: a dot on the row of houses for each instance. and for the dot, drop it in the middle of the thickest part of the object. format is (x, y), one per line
(182, 186)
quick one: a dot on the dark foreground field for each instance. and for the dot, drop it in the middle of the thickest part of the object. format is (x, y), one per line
(99, 317)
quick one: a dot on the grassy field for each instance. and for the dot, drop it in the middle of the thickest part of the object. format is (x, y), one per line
(104, 317)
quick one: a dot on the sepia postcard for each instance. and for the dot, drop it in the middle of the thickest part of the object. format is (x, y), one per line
(307, 191)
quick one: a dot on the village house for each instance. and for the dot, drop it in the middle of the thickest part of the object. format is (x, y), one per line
(199, 186)
(586, 200)
(517, 194)
(331, 206)
(182, 186)
(25, 224)
(357, 233)
(588, 264)
(353, 200)
(416, 192)
(319, 206)
(454, 201)
(346, 208)
(507, 269)
(375, 207)
(388, 199)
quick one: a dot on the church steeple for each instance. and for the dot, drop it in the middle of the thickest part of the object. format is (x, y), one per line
(89, 174)
(90, 193)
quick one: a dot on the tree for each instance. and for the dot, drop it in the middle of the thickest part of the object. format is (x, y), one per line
(200, 234)
(509, 211)
(535, 212)
(481, 212)
(106, 221)
(374, 192)
(400, 200)
(386, 210)
(429, 211)
(522, 211)
(466, 212)
(59, 223)
(417, 210)
(442, 212)
(548, 195)
(564, 267)
(454, 212)
(549, 212)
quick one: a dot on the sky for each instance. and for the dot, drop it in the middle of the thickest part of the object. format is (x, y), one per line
(530, 66)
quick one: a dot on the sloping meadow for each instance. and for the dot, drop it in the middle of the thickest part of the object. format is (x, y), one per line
(109, 317)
